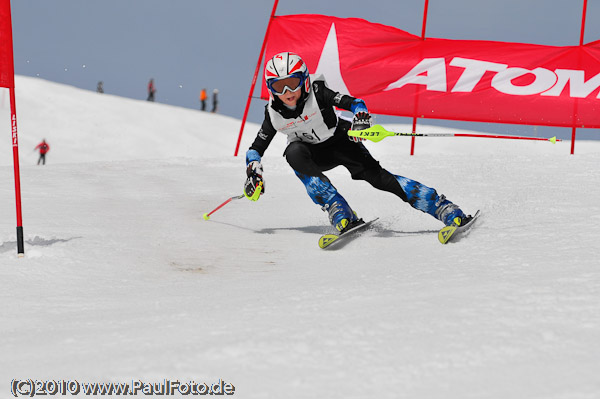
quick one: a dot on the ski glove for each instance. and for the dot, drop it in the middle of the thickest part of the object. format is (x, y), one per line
(255, 185)
(361, 121)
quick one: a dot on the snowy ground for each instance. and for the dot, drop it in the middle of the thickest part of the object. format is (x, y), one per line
(123, 280)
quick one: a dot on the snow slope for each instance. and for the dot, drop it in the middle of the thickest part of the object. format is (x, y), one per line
(123, 280)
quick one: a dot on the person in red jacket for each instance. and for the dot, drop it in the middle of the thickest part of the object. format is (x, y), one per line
(44, 148)
(151, 90)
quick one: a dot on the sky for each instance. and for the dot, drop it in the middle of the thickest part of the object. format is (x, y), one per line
(123, 279)
(110, 291)
(189, 45)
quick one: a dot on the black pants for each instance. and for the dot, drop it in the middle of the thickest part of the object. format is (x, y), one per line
(314, 159)
(42, 159)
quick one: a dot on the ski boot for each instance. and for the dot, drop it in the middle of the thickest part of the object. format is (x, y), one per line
(450, 214)
(461, 220)
(341, 216)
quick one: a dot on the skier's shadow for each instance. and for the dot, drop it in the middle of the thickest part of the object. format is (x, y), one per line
(36, 241)
(375, 231)
(378, 231)
(270, 230)
(302, 229)
(382, 232)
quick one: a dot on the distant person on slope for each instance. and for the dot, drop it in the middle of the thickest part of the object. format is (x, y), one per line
(44, 148)
(151, 90)
(215, 100)
(203, 99)
(302, 107)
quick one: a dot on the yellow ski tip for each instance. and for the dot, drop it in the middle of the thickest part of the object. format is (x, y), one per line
(445, 234)
(326, 240)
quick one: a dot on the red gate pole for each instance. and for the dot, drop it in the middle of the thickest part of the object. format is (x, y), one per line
(7, 79)
(258, 64)
(15, 144)
(414, 124)
(573, 132)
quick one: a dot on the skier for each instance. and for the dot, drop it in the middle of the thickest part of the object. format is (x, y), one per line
(302, 107)
(44, 148)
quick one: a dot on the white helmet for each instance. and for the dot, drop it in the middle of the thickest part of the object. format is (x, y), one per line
(287, 71)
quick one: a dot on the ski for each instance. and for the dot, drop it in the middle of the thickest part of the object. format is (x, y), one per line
(454, 233)
(329, 240)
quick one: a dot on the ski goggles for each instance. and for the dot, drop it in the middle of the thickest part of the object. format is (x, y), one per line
(292, 83)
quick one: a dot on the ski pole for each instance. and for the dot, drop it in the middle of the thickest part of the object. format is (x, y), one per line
(206, 216)
(377, 133)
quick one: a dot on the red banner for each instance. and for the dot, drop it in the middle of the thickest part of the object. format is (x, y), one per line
(7, 75)
(397, 73)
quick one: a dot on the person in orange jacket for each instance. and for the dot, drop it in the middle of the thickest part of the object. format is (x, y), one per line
(44, 148)
(203, 99)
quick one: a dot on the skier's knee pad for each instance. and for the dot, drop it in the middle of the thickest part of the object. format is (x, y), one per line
(320, 190)
(300, 158)
(297, 154)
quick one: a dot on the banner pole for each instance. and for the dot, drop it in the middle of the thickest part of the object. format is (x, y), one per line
(581, 35)
(424, 25)
(583, 16)
(258, 64)
(414, 124)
